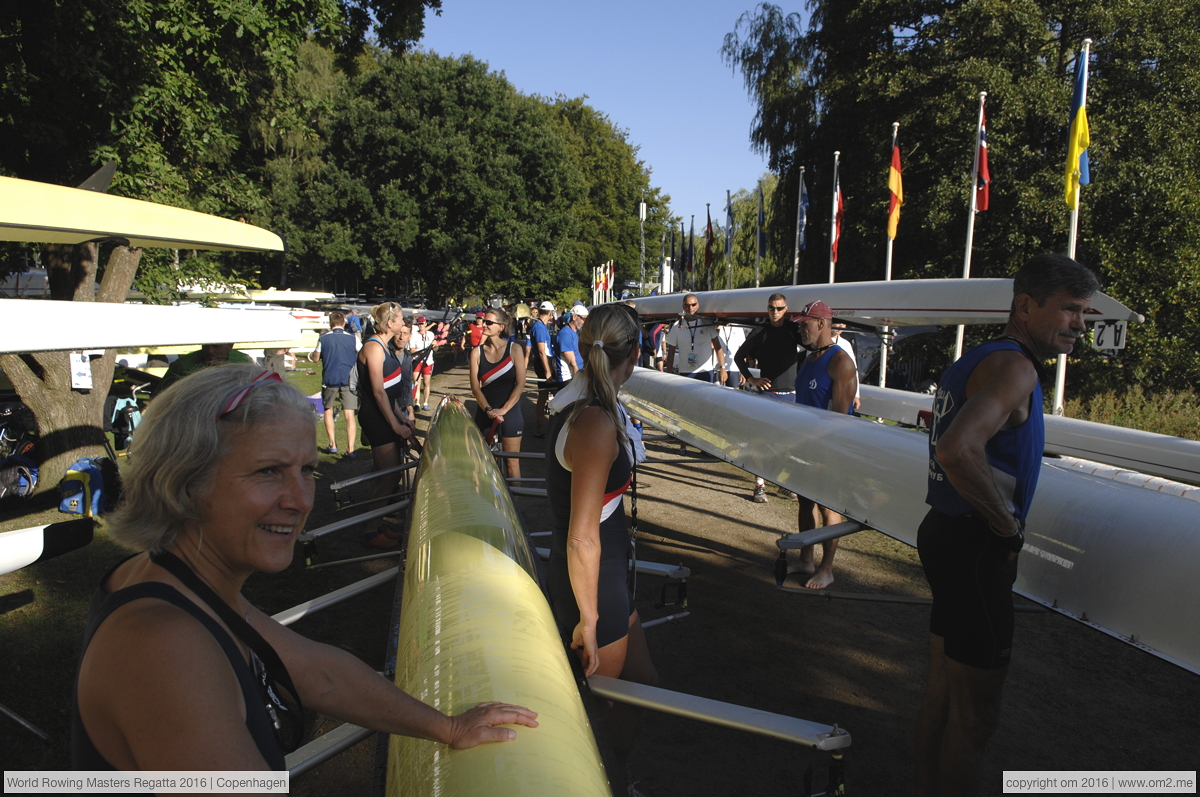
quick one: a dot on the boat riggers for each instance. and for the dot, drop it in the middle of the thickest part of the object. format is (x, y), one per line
(1115, 555)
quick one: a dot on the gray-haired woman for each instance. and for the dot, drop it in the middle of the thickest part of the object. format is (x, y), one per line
(179, 671)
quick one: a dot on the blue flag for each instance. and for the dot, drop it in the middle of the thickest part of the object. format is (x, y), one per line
(802, 216)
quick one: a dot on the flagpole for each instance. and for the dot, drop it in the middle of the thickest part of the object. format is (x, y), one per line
(728, 240)
(1060, 372)
(708, 247)
(692, 254)
(801, 221)
(958, 340)
(758, 238)
(833, 215)
(887, 276)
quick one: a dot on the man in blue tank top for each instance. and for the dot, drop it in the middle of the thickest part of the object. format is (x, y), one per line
(985, 447)
(827, 380)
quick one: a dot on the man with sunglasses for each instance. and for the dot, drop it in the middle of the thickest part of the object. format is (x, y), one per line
(697, 342)
(775, 347)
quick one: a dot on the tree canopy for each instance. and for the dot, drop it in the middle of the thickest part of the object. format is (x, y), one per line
(859, 65)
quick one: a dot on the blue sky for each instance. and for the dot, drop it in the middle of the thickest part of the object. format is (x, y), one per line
(654, 67)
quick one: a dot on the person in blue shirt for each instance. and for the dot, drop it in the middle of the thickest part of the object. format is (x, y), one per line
(544, 358)
(985, 453)
(569, 358)
(827, 380)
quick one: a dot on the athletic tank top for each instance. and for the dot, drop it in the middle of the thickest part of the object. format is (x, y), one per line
(395, 385)
(85, 756)
(1014, 454)
(614, 534)
(497, 380)
(814, 385)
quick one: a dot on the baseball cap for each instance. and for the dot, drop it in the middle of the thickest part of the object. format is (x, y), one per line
(420, 319)
(817, 309)
(547, 307)
(580, 311)
(480, 314)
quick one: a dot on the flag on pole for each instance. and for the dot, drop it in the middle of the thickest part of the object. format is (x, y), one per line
(691, 253)
(802, 216)
(1078, 138)
(841, 212)
(983, 180)
(762, 224)
(612, 274)
(896, 189)
(708, 241)
(728, 226)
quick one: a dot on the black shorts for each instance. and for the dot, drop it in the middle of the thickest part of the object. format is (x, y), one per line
(513, 425)
(613, 600)
(970, 576)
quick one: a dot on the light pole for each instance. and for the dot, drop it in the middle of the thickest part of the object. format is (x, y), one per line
(642, 222)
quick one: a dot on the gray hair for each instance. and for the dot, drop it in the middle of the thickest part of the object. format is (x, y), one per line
(1046, 274)
(178, 444)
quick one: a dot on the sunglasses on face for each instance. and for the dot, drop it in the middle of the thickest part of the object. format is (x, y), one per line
(490, 323)
(774, 309)
(691, 304)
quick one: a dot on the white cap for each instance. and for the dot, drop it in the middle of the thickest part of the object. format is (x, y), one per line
(580, 311)
(547, 306)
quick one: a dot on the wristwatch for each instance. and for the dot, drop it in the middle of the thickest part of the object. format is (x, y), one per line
(488, 408)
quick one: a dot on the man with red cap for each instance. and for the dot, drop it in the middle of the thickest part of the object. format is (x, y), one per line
(827, 380)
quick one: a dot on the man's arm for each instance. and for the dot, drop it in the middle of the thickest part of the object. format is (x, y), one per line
(845, 382)
(569, 358)
(998, 396)
(749, 350)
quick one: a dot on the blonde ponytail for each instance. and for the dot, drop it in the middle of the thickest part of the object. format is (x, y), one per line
(605, 341)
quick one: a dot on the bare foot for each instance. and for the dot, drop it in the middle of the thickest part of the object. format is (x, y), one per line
(803, 566)
(821, 580)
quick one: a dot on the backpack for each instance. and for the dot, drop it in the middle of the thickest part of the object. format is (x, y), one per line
(91, 487)
(18, 477)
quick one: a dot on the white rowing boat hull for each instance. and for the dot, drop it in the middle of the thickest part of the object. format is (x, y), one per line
(893, 303)
(1145, 452)
(1117, 556)
(102, 325)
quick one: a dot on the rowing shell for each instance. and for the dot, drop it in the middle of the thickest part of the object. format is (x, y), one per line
(1145, 452)
(55, 214)
(872, 304)
(1113, 555)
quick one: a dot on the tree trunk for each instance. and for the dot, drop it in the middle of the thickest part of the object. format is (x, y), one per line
(70, 422)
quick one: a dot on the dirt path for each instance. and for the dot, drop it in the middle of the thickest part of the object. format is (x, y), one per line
(1075, 698)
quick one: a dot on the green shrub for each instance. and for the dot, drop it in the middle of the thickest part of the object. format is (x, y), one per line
(1175, 413)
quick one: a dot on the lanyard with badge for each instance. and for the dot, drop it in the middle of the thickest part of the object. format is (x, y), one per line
(692, 329)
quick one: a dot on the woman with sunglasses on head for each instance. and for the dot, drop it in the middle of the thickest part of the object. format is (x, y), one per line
(592, 451)
(384, 413)
(179, 671)
(497, 369)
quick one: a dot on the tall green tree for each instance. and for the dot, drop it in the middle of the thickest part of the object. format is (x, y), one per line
(840, 81)
(614, 181)
(168, 89)
(441, 170)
